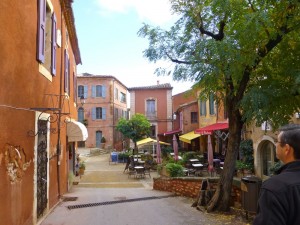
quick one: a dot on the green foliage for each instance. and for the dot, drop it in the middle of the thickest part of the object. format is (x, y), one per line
(175, 170)
(103, 140)
(82, 165)
(123, 156)
(275, 167)
(136, 128)
(246, 152)
(165, 151)
(248, 52)
(245, 51)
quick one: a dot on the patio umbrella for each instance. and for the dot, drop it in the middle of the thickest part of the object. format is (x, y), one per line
(158, 151)
(210, 155)
(175, 147)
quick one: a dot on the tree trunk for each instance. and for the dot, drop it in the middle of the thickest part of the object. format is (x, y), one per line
(221, 198)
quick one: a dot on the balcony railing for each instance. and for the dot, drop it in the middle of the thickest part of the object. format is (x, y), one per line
(151, 115)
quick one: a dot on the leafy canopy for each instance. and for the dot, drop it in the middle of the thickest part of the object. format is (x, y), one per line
(247, 51)
(136, 128)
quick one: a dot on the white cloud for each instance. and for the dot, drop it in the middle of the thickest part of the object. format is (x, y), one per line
(154, 11)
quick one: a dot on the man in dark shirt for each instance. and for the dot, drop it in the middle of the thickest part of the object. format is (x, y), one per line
(279, 201)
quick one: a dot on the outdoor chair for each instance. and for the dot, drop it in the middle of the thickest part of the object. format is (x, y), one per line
(131, 171)
(147, 171)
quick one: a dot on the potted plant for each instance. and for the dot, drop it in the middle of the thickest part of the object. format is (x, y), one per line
(81, 167)
(85, 122)
(103, 141)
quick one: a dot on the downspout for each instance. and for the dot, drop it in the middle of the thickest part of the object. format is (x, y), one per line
(113, 103)
(58, 150)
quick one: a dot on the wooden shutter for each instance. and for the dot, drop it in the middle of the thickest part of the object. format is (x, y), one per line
(75, 86)
(103, 91)
(93, 113)
(85, 91)
(53, 46)
(66, 69)
(104, 113)
(41, 31)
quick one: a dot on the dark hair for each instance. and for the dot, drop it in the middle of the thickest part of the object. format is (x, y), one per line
(291, 135)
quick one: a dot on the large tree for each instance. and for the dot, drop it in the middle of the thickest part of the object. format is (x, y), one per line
(135, 129)
(247, 51)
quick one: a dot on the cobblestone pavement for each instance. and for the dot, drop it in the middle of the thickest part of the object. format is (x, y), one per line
(106, 195)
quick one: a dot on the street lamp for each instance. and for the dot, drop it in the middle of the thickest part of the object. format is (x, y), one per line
(82, 100)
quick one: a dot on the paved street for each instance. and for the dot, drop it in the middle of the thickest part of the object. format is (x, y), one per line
(105, 195)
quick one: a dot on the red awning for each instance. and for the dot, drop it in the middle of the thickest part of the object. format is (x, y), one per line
(210, 128)
(170, 132)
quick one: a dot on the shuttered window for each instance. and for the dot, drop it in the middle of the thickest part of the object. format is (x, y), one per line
(46, 38)
(98, 91)
(98, 113)
(53, 46)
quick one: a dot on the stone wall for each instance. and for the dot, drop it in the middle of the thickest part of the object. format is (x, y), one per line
(190, 186)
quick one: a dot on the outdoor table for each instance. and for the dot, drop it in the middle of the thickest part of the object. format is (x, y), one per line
(140, 171)
(194, 160)
(198, 167)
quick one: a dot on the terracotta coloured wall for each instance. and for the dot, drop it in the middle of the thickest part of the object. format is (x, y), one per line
(24, 87)
(161, 96)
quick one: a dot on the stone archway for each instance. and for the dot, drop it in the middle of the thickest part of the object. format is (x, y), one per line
(266, 157)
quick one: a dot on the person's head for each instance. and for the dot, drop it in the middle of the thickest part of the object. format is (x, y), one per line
(288, 145)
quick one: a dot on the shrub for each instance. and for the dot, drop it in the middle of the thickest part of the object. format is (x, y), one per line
(175, 170)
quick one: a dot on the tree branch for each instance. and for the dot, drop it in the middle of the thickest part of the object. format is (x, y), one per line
(180, 61)
(219, 36)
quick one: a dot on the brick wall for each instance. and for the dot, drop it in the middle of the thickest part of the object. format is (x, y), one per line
(190, 186)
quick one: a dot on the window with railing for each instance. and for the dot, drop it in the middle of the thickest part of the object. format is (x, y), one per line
(150, 108)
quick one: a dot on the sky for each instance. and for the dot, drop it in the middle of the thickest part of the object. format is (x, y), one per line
(109, 44)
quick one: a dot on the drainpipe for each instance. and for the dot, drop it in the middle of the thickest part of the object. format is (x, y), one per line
(113, 103)
(58, 150)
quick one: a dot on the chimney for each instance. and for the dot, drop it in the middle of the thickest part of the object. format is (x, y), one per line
(157, 82)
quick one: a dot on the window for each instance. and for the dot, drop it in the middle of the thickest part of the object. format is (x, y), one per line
(151, 106)
(116, 93)
(80, 115)
(211, 104)
(82, 91)
(98, 113)
(46, 44)
(116, 113)
(122, 97)
(194, 117)
(202, 108)
(98, 91)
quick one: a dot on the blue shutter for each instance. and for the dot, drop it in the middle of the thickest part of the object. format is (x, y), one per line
(41, 31)
(103, 91)
(104, 113)
(94, 113)
(85, 91)
(53, 46)
(74, 87)
(66, 71)
(93, 91)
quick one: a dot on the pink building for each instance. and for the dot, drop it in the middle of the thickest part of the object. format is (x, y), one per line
(155, 102)
(105, 102)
